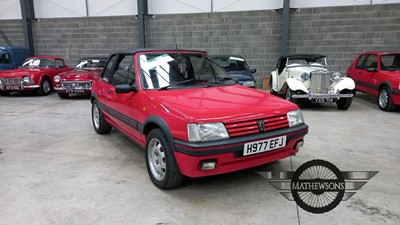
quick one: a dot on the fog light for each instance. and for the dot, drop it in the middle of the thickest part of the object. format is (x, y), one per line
(331, 90)
(299, 144)
(208, 165)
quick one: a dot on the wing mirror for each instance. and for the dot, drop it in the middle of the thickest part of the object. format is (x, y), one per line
(253, 70)
(125, 88)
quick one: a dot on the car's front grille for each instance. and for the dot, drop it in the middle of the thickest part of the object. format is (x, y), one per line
(248, 127)
(76, 84)
(11, 81)
(320, 81)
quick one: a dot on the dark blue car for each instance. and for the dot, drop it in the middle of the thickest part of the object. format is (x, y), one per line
(237, 68)
(12, 57)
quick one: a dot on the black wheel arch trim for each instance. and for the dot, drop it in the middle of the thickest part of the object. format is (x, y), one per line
(183, 146)
(160, 123)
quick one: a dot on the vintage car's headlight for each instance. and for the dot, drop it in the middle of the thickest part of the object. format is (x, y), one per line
(295, 118)
(26, 79)
(57, 79)
(249, 83)
(336, 76)
(305, 76)
(206, 132)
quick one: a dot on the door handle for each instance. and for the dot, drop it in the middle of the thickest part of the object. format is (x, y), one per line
(108, 92)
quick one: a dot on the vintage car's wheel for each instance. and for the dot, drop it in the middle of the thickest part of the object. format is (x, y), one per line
(99, 123)
(160, 161)
(45, 87)
(62, 95)
(344, 103)
(4, 93)
(385, 101)
(270, 87)
(289, 94)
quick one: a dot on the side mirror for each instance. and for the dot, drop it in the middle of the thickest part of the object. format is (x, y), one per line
(253, 70)
(125, 88)
(372, 69)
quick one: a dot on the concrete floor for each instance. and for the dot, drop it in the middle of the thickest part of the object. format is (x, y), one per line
(56, 170)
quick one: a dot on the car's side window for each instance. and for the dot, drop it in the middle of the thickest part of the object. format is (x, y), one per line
(59, 64)
(281, 65)
(360, 62)
(120, 70)
(372, 62)
(110, 69)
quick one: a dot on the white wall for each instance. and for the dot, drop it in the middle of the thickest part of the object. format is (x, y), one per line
(10, 10)
(178, 6)
(112, 7)
(245, 5)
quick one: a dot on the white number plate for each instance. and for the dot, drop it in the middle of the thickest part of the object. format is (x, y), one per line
(264, 145)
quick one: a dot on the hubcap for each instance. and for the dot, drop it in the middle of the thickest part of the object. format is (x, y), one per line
(383, 98)
(46, 86)
(96, 117)
(156, 157)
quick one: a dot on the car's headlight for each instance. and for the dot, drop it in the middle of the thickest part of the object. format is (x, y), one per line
(305, 76)
(206, 132)
(26, 79)
(336, 76)
(57, 79)
(295, 118)
(249, 83)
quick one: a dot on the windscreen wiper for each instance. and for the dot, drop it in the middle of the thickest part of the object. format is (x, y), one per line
(177, 83)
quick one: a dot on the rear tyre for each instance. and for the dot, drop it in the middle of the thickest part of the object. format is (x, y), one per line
(62, 95)
(45, 87)
(99, 123)
(385, 101)
(160, 161)
(344, 103)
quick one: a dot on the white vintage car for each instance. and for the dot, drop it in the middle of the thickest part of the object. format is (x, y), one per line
(304, 78)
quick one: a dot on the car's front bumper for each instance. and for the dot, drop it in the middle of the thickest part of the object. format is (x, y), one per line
(17, 88)
(228, 153)
(311, 96)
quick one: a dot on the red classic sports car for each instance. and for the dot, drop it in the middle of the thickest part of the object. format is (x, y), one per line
(79, 80)
(36, 73)
(378, 74)
(189, 115)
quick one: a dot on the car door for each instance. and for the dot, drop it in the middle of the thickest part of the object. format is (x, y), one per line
(366, 79)
(121, 108)
(281, 73)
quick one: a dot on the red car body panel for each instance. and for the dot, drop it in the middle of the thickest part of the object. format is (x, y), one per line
(77, 75)
(370, 82)
(135, 113)
(36, 75)
(79, 80)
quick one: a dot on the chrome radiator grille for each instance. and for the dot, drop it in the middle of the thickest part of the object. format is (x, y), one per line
(11, 81)
(75, 84)
(320, 81)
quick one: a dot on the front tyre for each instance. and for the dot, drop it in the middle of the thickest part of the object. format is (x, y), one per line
(99, 123)
(385, 100)
(160, 161)
(4, 93)
(344, 103)
(45, 87)
(289, 95)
